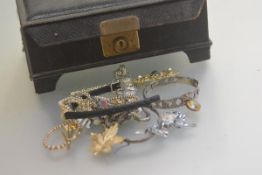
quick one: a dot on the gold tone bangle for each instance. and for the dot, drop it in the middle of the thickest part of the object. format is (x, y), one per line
(119, 100)
(141, 81)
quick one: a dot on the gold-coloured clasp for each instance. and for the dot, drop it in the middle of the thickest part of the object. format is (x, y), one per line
(120, 36)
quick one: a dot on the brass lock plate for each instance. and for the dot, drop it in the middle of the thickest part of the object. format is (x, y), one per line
(120, 36)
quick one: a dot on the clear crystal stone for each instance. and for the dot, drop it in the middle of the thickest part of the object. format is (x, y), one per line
(155, 129)
(182, 120)
(170, 119)
(167, 119)
(174, 119)
(127, 90)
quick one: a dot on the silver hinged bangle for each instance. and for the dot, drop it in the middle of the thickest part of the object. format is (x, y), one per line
(187, 99)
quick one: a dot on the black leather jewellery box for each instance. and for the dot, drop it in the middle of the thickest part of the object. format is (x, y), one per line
(61, 36)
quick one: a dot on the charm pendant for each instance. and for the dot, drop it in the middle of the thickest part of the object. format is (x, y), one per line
(193, 105)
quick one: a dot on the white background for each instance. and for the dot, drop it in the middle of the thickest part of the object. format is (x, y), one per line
(228, 139)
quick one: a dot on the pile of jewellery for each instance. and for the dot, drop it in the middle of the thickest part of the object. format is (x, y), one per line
(89, 108)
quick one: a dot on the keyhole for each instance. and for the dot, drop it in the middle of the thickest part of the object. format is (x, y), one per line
(120, 44)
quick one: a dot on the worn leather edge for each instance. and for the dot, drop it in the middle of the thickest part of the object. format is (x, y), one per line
(64, 15)
(93, 10)
(44, 35)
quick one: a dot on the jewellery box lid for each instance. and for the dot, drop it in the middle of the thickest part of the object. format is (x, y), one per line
(53, 22)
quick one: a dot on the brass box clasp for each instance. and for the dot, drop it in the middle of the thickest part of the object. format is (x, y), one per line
(120, 36)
